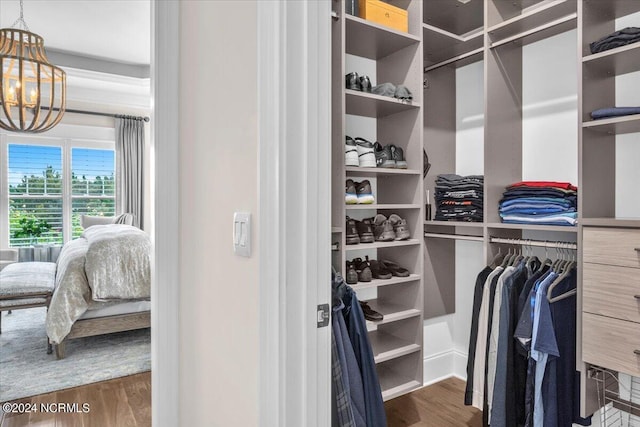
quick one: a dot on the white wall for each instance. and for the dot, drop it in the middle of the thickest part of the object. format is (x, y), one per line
(218, 174)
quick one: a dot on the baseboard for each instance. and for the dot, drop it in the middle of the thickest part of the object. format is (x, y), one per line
(438, 367)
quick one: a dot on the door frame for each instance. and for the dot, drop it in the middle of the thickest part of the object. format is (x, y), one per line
(294, 52)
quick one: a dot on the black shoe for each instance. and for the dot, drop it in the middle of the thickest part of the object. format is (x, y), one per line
(351, 231)
(379, 270)
(369, 313)
(395, 269)
(352, 81)
(364, 193)
(365, 84)
(398, 156)
(351, 275)
(365, 230)
(384, 156)
(363, 269)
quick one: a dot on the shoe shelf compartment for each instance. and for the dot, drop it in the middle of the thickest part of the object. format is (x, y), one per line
(395, 340)
(373, 41)
(614, 62)
(392, 312)
(378, 283)
(539, 16)
(615, 125)
(391, 206)
(400, 375)
(369, 172)
(376, 106)
(379, 245)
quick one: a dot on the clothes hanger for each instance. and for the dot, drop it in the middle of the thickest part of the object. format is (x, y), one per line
(497, 259)
(505, 261)
(566, 271)
(532, 260)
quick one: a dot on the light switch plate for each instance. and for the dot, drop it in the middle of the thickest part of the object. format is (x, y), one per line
(242, 234)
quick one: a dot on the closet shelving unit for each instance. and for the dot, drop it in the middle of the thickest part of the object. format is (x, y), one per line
(598, 77)
(397, 58)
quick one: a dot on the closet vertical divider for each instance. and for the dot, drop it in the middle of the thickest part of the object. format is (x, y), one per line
(397, 339)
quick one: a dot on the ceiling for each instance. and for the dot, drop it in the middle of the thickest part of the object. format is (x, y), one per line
(113, 30)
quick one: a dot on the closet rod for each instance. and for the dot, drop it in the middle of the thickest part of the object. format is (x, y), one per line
(538, 243)
(96, 113)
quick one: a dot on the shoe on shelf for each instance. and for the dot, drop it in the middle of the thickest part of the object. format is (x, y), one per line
(350, 193)
(383, 229)
(369, 313)
(395, 269)
(351, 275)
(365, 230)
(384, 157)
(365, 84)
(364, 193)
(366, 156)
(351, 228)
(379, 270)
(363, 269)
(400, 227)
(350, 152)
(352, 81)
(398, 157)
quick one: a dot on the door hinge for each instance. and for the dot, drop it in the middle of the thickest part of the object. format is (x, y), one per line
(323, 315)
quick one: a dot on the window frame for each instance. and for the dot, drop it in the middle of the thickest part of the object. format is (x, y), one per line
(66, 144)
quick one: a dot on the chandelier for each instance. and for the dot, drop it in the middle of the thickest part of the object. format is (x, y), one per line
(32, 90)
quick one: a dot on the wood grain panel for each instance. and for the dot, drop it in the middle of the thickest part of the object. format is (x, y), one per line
(612, 246)
(611, 343)
(611, 290)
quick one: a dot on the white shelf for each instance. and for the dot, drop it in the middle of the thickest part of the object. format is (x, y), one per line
(367, 172)
(533, 227)
(615, 125)
(387, 347)
(371, 105)
(614, 62)
(394, 384)
(379, 245)
(383, 206)
(440, 45)
(370, 40)
(376, 283)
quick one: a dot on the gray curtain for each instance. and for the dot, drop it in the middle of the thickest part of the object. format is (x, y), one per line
(130, 168)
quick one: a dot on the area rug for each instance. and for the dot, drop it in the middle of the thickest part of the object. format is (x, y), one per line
(27, 370)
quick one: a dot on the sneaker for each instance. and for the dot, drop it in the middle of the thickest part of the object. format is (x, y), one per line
(379, 270)
(364, 193)
(369, 313)
(400, 227)
(366, 156)
(350, 152)
(352, 81)
(398, 157)
(351, 274)
(351, 195)
(383, 229)
(365, 230)
(363, 269)
(384, 157)
(352, 232)
(365, 84)
(395, 269)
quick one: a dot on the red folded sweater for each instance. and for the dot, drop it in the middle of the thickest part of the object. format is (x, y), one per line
(538, 184)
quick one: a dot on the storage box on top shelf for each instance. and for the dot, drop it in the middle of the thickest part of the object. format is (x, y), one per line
(384, 14)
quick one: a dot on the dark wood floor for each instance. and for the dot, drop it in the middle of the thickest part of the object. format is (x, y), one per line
(127, 402)
(439, 405)
(116, 403)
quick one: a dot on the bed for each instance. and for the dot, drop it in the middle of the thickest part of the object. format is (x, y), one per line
(102, 285)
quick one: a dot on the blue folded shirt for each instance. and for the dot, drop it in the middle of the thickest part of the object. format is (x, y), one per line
(604, 113)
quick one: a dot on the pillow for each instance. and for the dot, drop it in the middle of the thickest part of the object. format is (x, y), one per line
(87, 221)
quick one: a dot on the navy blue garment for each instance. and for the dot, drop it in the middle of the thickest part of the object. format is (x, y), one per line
(604, 113)
(563, 313)
(341, 406)
(357, 327)
(352, 379)
(619, 38)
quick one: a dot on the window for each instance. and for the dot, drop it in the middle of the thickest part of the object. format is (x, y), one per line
(51, 183)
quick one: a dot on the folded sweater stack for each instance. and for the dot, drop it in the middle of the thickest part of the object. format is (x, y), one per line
(540, 202)
(459, 198)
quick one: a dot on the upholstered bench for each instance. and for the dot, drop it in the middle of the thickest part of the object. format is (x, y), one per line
(26, 285)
